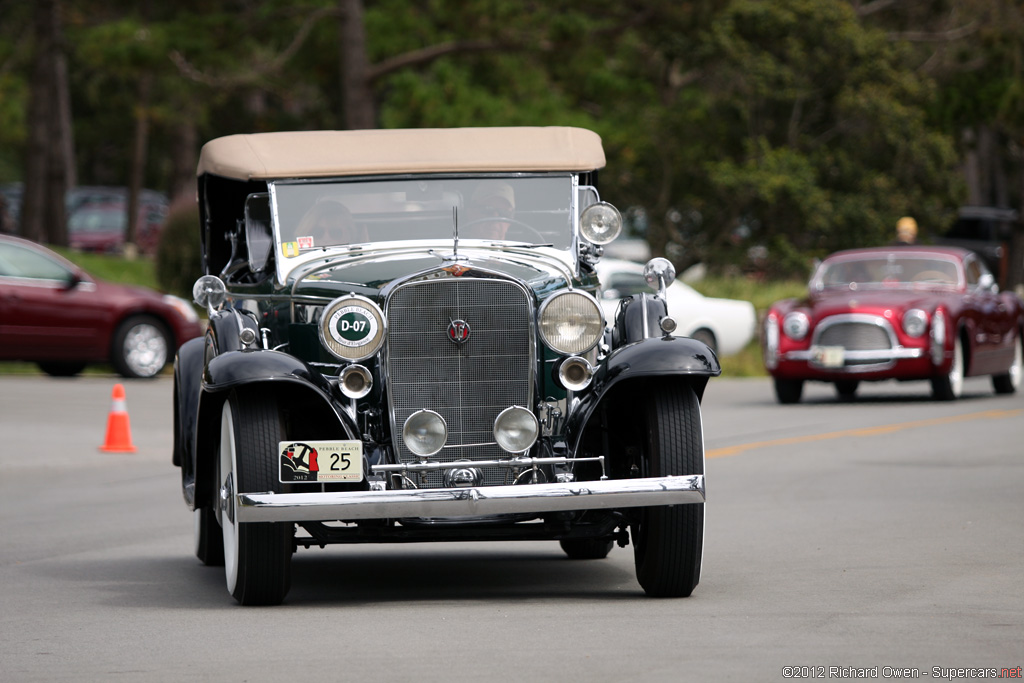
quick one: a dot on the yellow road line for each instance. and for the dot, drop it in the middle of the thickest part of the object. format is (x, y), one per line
(865, 431)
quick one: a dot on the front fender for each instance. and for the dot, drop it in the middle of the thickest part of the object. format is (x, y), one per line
(188, 372)
(658, 357)
(306, 396)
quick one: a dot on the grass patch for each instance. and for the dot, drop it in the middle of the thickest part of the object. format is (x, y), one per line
(139, 271)
(748, 362)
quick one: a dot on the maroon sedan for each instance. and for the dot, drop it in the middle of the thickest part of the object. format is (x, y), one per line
(54, 314)
(904, 313)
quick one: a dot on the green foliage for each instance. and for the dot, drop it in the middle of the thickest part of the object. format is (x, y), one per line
(178, 263)
(792, 125)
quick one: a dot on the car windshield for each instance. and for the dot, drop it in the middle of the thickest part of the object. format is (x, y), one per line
(889, 271)
(96, 219)
(535, 210)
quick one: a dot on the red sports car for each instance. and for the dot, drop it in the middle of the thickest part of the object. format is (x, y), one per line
(56, 315)
(904, 313)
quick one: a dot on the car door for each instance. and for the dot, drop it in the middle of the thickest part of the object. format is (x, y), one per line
(992, 320)
(48, 311)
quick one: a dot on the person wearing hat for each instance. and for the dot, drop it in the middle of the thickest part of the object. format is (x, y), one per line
(491, 201)
(329, 222)
(906, 230)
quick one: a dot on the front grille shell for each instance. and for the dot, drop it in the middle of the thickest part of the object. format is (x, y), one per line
(867, 339)
(468, 384)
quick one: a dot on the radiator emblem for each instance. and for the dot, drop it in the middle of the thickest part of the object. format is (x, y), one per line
(458, 331)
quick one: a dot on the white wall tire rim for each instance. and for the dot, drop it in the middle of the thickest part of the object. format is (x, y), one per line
(956, 370)
(1018, 364)
(227, 479)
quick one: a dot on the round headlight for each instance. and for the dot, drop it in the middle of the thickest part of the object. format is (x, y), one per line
(571, 322)
(600, 223)
(516, 429)
(424, 432)
(795, 325)
(915, 322)
(209, 291)
(352, 328)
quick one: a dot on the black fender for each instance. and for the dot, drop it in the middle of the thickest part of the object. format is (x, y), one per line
(188, 372)
(225, 326)
(638, 317)
(292, 380)
(689, 360)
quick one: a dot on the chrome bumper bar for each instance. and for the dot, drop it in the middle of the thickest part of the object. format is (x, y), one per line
(475, 501)
(876, 356)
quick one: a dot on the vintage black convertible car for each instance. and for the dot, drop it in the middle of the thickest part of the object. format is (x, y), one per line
(405, 345)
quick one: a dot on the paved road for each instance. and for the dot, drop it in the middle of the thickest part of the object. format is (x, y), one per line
(884, 533)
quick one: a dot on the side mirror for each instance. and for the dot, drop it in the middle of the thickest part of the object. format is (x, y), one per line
(259, 237)
(73, 280)
(987, 282)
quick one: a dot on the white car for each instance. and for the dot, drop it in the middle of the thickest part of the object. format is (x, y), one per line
(726, 325)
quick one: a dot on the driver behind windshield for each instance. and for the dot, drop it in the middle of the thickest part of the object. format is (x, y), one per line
(491, 201)
(328, 222)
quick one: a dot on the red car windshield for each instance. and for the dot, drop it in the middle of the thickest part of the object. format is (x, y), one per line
(889, 271)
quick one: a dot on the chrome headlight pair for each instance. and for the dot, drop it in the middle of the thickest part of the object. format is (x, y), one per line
(515, 430)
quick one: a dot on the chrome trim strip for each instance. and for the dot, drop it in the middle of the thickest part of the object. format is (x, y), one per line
(511, 463)
(458, 502)
(881, 356)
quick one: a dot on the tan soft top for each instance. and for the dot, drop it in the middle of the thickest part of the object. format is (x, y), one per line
(305, 154)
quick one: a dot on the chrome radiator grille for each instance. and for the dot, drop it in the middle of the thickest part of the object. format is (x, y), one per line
(855, 336)
(468, 384)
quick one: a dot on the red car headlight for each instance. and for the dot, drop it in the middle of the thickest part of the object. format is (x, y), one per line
(915, 322)
(795, 325)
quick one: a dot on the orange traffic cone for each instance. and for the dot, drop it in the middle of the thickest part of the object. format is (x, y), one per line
(119, 432)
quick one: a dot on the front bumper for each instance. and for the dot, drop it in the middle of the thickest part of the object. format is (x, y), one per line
(469, 502)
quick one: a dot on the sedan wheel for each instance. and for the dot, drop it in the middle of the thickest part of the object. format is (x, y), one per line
(141, 347)
(948, 387)
(257, 555)
(668, 541)
(1008, 383)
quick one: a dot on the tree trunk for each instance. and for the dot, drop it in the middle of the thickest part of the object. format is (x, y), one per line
(35, 196)
(356, 95)
(183, 161)
(138, 169)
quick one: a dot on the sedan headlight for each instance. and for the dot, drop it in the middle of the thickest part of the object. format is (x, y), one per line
(352, 328)
(795, 325)
(915, 322)
(183, 307)
(571, 322)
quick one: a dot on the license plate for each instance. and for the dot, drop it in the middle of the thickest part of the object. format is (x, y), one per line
(321, 461)
(829, 356)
